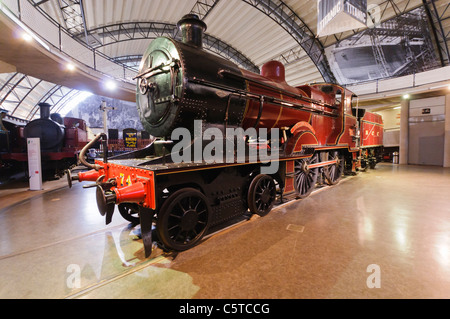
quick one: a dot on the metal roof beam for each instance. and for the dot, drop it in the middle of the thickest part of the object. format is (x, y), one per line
(203, 7)
(435, 17)
(282, 14)
(39, 3)
(110, 34)
(71, 11)
(18, 91)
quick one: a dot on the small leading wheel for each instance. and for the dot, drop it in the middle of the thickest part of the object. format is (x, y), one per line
(261, 195)
(305, 177)
(130, 212)
(183, 219)
(333, 173)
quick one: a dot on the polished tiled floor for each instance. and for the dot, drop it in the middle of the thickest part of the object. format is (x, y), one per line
(382, 234)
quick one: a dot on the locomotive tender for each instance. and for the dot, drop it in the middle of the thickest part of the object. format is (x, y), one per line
(314, 133)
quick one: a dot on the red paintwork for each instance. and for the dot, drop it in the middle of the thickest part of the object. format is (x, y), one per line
(328, 131)
(89, 176)
(75, 138)
(273, 116)
(135, 193)
(71, 122)
(299, 140)
(371, 130)
(133, 185)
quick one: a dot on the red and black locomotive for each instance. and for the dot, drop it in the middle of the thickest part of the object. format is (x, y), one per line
(318, 138)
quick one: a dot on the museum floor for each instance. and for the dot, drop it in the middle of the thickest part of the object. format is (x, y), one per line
(381, 234)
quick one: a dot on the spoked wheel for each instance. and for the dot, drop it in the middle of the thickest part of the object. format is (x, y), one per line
(305, 177)
(130, 212)
(261, 195)
(333, 173)
(183, 219)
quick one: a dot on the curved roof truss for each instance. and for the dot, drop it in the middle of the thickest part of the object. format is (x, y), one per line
(115, 33)
(18, 89)
(282, 14)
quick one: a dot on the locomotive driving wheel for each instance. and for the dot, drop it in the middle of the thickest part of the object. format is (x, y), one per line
(305, 177)
(261, 195)
(183, 219)
(333, 173)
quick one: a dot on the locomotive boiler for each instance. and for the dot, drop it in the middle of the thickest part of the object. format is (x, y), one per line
(178, 203)
(50, 131)
(179, 82)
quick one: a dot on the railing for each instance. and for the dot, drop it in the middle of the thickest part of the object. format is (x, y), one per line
(433, 78)
(60, 41)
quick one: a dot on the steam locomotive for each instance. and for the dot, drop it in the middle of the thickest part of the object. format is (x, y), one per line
(61, 139)
(307, 134)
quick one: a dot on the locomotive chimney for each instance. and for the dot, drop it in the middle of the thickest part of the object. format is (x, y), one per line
(192, 29)
(44, 110)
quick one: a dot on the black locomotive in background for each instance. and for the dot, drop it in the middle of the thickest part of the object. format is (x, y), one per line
(61, 139)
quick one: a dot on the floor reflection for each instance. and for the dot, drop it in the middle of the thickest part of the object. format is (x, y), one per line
(58, 246)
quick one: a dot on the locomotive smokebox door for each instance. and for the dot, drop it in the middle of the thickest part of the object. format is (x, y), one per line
(159, 86)
(178, 83)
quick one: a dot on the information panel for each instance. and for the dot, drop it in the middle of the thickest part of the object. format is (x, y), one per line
(130, 138)
(34, 163)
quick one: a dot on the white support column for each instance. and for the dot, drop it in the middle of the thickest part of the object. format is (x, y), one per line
(447, 132)
(404, 132)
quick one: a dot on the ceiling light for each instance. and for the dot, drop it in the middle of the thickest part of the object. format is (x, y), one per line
(70, 66)
(27, 30)
(27, 37)
(406, 96)
(110, 85)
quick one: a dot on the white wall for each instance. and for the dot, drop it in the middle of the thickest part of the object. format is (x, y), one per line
(426, 132)
(391, 121)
